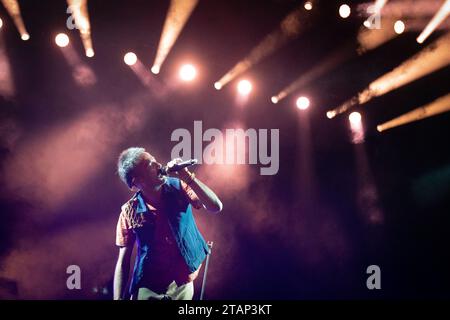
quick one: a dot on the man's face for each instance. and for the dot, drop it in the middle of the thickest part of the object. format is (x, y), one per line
(147, 174)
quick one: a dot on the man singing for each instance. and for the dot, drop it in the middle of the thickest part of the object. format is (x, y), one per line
(170, 248)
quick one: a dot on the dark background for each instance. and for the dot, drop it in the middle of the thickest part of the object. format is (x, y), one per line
(278, 237)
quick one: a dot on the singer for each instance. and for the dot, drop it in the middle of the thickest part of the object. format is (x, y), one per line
(170, 248)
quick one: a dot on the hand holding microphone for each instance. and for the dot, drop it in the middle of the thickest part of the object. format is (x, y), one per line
(178, 168)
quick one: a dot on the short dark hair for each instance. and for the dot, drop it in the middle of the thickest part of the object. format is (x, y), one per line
(127, 163)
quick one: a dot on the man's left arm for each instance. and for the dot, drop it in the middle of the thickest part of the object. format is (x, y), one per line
(206, 196)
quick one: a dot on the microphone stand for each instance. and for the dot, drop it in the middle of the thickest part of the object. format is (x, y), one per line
(210, 245)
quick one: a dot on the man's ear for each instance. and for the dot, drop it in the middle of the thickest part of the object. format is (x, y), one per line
(133, 187)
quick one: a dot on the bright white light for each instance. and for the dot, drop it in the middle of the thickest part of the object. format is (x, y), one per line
(155, 69)
(90, 52)
(308, 5)
(344, 11)
(188, 72)
(218, 85)
(25, 36)
(244, 87)
(130, 58)
(399, 27)
(356, 127)
(331, 114)
(366, 24)
(302, 103)
(274, 99)
(354, 118)
(62, 40)
(1, 23)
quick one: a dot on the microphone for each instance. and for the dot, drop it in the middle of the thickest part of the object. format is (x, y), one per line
(177, 167)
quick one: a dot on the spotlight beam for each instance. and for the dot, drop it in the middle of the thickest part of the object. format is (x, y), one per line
(177, 16)
(289, 29)
(379, 4)
(436, 107)
(318, 70)
(12, 6)
(7, 87)
(438, 18)
(81, 16)
(430, 59)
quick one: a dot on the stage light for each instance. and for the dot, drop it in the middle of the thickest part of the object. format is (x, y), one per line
(62, 40)
(308, 5)
(244, 87)
(302, 103)
(434, 108)
(187, 72)
(399, 27)
(290, 27)
(331, 114)
(177, 15)
(274, 100)
(13, 9)
(354, 117)
(344, 11)
(90, 52)
(218, 85)
(1, 23)
(155, 69)
(356, 127)
(79, 11)
(130, 58)
(430, 59)
(438, 18)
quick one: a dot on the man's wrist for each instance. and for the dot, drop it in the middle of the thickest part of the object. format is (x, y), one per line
(189, 178)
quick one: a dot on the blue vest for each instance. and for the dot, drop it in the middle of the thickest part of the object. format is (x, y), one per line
(190, 242)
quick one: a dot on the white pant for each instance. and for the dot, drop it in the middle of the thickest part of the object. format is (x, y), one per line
(173, 292)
